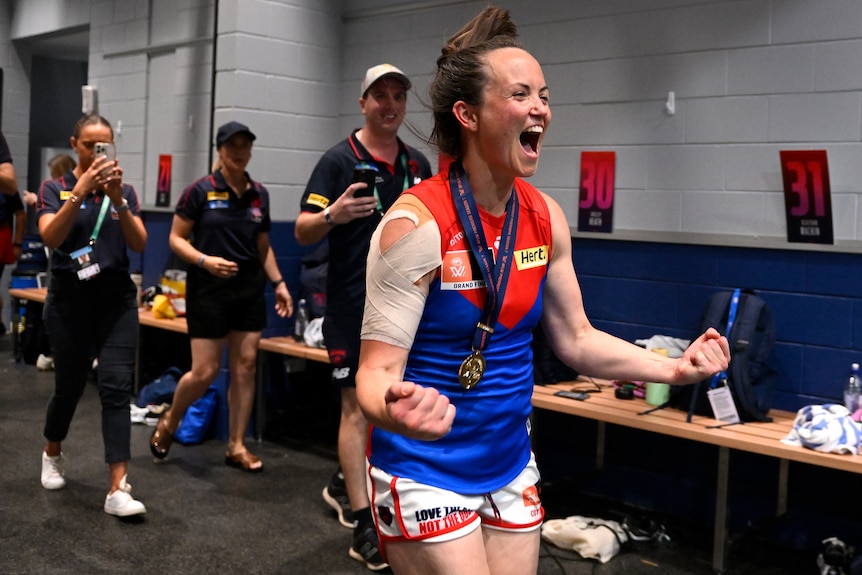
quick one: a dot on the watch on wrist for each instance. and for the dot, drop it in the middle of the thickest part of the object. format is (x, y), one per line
(328, 217)
(124, 207)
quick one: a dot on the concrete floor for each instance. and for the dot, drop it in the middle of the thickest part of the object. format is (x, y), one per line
(204, 517)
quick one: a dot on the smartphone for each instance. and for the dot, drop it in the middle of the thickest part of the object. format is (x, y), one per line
(579, 395)
(364, 173)
(105, 149)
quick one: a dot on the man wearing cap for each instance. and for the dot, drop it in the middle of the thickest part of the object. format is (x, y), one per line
(227, 215)
(347, 214)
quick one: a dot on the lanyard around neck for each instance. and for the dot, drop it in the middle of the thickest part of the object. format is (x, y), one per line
(96, 228)
(495, 274)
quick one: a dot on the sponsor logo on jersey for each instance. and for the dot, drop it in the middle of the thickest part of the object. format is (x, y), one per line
(531, 257)
(216, 195)
(317, 200)
(64, 194)
(218, 200)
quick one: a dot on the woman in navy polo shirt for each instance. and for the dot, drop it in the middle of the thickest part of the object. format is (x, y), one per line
(90, 217)
(227, 214)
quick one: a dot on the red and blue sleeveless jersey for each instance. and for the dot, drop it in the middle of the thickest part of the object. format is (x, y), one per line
(489, 443)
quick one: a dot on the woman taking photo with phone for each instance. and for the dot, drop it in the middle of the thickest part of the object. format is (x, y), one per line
(90, 217)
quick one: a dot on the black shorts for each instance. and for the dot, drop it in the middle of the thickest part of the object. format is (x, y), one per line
(215, 306)
(341, 334)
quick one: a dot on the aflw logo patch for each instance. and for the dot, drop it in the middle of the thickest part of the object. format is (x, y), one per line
(458, 273)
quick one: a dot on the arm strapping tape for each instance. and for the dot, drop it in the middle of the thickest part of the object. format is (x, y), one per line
(395, 290)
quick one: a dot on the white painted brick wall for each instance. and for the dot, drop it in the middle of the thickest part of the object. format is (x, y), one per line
(751, 77)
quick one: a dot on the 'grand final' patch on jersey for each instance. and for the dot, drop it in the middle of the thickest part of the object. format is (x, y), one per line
(459, 273)
(531, 257)
(64, 195)
(216, 199)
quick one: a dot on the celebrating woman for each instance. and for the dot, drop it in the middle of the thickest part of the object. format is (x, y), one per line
(460, 271)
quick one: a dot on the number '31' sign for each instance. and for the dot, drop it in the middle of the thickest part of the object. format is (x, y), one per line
(807, 199)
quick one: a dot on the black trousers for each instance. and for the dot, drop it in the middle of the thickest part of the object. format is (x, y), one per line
(85, 320)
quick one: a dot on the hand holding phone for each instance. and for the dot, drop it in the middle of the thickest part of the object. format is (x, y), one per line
(364, 173)
(108, 150)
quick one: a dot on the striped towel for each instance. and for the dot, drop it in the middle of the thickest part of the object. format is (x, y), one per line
(828, 428)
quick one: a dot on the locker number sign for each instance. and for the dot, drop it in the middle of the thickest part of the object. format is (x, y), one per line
(807, 200)
(596, 199)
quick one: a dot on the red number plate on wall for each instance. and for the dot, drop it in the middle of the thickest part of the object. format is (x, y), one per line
(807, 199)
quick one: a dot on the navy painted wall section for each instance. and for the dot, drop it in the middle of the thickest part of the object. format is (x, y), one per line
(638, 289)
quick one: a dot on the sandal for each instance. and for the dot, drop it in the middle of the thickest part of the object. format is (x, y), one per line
(161, 440)
(243, 461)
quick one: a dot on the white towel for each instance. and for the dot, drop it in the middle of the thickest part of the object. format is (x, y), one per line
(827, 428)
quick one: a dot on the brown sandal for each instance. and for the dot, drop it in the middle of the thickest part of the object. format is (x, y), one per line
(243, 461)
(161, 440)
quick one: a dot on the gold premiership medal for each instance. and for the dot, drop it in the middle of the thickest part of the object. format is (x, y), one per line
(471, 371)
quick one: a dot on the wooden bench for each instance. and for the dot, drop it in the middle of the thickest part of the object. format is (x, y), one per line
(759, 438)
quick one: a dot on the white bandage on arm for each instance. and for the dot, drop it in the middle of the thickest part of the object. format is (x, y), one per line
(395, 290)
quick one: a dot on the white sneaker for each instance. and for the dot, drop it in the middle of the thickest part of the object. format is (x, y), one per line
(137, 414)
(52, 471)
(121, 503)
(44, 362)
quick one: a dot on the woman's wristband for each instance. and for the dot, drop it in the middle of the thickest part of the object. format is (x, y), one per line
(277, 282)
(201, 260)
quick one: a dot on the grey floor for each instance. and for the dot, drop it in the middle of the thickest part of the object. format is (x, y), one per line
(203, 517)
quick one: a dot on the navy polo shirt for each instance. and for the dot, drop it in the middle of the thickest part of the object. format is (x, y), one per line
(5, 154)
(226, 225)
(8, 204)
(110, 247)
(348, 243)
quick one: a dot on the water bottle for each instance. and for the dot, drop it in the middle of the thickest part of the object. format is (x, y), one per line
(301, 323)
(851, 390)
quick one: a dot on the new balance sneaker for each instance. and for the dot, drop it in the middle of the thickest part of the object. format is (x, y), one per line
(366, 547)
(52, 471)
(335, 494)
(121, 503)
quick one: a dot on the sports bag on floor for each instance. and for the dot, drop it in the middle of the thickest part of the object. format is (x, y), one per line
(749, 376)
